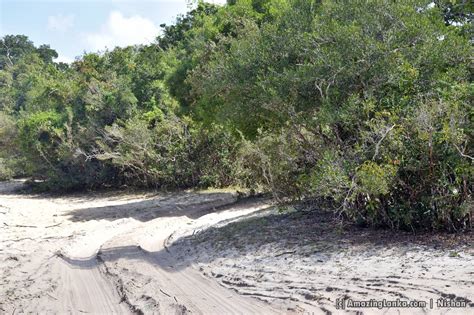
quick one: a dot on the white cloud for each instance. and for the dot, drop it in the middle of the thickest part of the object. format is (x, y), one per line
(60, 23)
(122, 31)
(64, 59)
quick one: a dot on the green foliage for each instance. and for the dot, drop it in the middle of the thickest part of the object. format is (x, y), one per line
(14, 47)
(8, 134)
(375, 180)
(5, 171)
(168, 153)
(329, 178)
(175, 34)
(379, 87)
(365, 107)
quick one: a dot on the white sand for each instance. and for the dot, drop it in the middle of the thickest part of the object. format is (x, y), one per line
(103, 253)
(305, 263)
(190, 252)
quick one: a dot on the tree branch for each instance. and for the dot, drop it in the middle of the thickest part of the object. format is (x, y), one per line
(377, 146)
(461, 152)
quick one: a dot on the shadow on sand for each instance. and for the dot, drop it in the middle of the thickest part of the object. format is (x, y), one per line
(314, 232)
(192, 205)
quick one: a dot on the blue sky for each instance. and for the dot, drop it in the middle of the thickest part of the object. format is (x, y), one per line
(74, 26)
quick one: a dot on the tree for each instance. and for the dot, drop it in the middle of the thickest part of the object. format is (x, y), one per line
(13, 47)
(46, 53)
(363, 107)
(456, 11)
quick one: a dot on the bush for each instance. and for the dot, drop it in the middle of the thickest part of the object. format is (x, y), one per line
(172, 152)
(8, 150)
(365, 107)
(5, 171)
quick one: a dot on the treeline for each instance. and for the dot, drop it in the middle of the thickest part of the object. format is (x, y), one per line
(361, 106)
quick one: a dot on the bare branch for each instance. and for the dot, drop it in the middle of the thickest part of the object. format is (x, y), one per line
(8, 53)
(461, 152)
(377, 146)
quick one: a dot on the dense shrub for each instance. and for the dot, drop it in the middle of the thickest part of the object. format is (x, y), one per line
(382, 93)
(8, 154)
(171, 152)
(365, 107)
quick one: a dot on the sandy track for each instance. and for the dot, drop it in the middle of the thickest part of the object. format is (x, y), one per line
(306, 261)
(205, 253)
(107, 253)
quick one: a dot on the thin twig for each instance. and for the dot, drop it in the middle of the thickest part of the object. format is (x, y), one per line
(285, 253)
(50, 226)
(164, 293)
(18, 225)
(51, 296)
